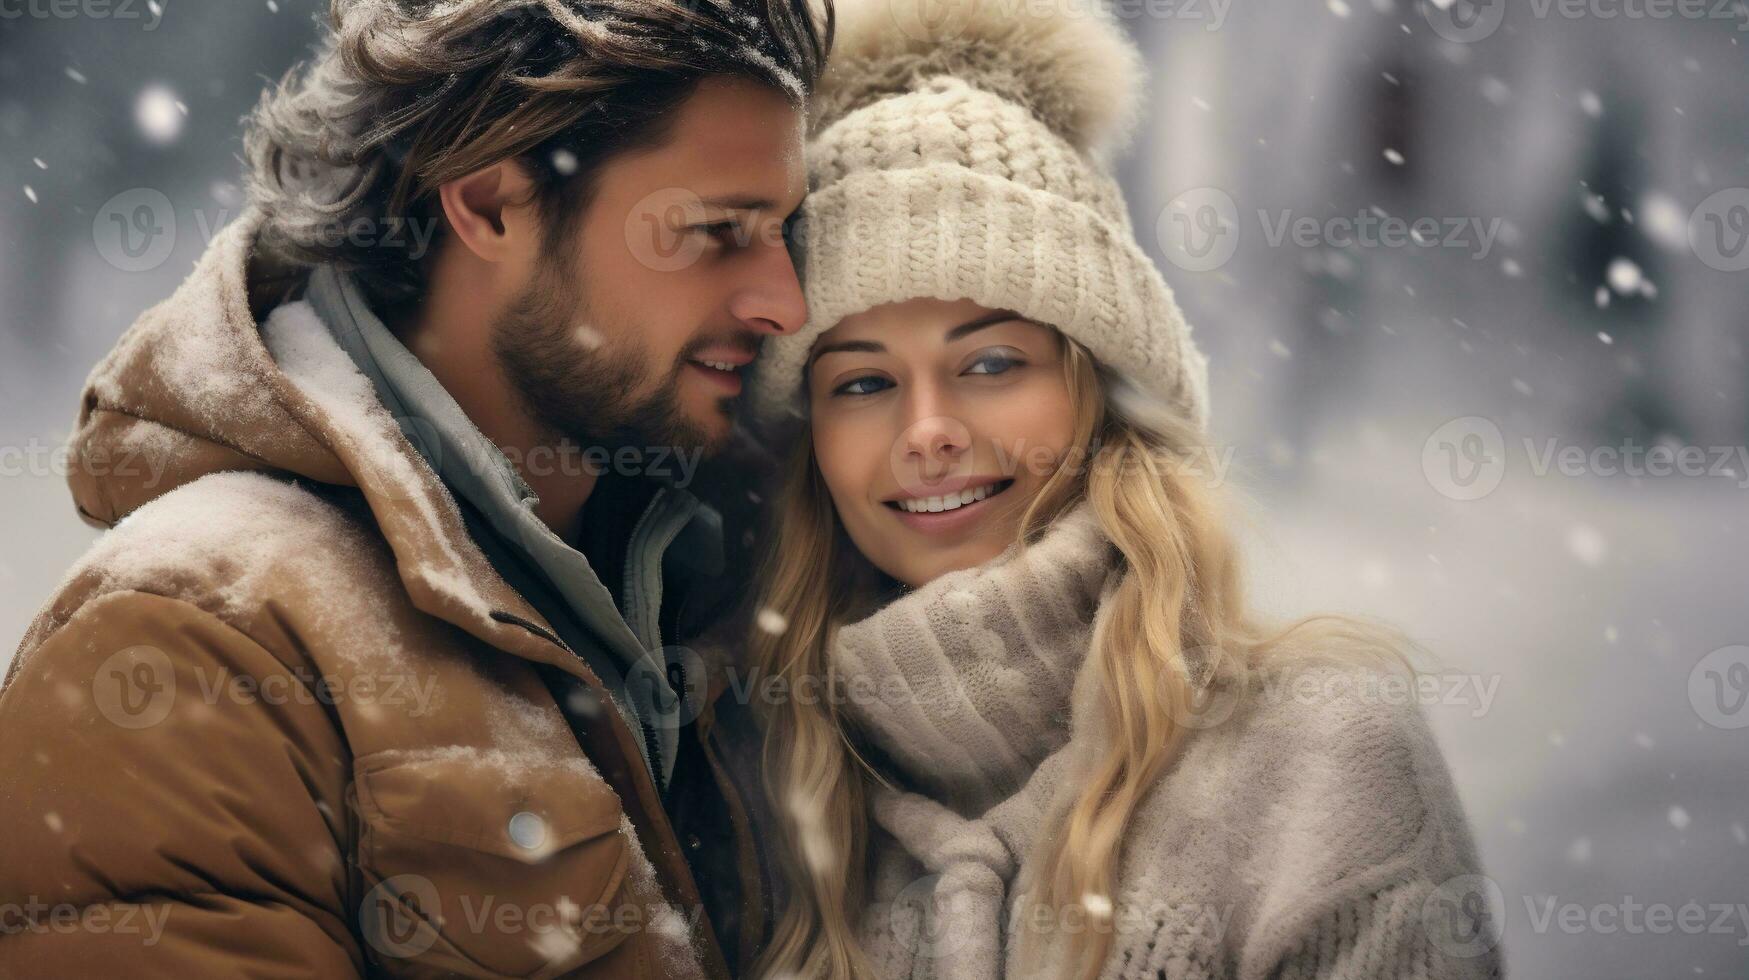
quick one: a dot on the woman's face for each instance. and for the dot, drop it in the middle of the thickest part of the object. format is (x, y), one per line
(934, 424)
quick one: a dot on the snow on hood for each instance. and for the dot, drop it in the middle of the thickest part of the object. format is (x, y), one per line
(198, 386)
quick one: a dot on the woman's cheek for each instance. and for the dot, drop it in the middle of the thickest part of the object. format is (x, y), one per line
(842, 450)
(1030, 431)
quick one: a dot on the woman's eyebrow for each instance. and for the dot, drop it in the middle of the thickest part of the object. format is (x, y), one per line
(861, 346)
(875, 347)
(988, 320)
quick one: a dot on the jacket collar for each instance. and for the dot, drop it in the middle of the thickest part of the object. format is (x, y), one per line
(629, 644)
(197, 385)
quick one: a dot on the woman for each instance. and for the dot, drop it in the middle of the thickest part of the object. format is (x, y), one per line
(1043, 737)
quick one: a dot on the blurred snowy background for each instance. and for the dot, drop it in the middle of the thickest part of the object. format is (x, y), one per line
(1443, 423)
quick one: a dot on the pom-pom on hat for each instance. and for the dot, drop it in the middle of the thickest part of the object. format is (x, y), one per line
(961, 149)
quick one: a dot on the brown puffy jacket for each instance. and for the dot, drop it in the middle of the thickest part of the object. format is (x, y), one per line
(284, 719)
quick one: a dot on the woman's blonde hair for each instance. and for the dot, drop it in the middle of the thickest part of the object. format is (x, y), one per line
(1179, 591)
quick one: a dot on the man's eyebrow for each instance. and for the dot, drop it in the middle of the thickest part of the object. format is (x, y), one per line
(738, 202)
(751, 202)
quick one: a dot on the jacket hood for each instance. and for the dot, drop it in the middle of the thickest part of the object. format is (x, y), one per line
(197, 386)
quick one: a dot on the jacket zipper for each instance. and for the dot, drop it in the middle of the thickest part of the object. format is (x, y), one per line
(651, 742)
(656, 621)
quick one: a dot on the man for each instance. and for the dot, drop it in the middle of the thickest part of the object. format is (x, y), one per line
(376, 673)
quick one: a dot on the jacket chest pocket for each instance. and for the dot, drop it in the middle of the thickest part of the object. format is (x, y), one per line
(485, 864)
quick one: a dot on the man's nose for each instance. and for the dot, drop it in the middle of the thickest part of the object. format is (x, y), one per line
(770, 301)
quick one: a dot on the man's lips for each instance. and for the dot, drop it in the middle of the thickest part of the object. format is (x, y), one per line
(723, 358)
(722, 364)
(728, 380)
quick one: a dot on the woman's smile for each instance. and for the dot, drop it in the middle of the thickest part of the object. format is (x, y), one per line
(950, 511)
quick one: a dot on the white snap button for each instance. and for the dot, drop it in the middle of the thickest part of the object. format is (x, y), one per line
(527, 830)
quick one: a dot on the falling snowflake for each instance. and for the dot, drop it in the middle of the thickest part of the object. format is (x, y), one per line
(1586, 543)
(1625, 276)
(1664, 221)
(159, 115)
(772, 621)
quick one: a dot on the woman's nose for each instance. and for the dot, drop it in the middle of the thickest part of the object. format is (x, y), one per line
(929, 448)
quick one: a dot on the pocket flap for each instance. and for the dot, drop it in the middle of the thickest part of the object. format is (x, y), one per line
(488, 800)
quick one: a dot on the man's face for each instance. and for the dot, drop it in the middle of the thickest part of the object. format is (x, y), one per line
(677, 268)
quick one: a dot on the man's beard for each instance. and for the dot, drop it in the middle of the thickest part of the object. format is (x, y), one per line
(577, 386)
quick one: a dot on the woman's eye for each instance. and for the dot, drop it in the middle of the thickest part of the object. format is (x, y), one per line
(863, 386)
(992, 364)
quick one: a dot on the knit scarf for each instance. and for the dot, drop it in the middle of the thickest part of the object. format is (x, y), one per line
(964, 689)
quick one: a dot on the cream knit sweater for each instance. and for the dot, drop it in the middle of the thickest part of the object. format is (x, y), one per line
(1308, 828)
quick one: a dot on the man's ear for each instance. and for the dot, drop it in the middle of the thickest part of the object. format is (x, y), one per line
(491, 211)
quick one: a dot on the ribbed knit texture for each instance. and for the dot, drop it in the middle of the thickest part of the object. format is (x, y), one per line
(963, 167)
(1308, 834)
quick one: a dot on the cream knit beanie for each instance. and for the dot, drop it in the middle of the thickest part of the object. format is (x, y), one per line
(960, 149)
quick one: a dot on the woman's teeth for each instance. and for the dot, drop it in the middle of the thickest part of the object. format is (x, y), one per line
(719, 365)
(952, 501)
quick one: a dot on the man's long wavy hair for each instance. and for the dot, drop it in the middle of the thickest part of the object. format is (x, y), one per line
(346, 155)
(1180, 592)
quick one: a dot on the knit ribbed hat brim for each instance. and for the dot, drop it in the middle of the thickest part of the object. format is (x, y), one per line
(944, 231)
